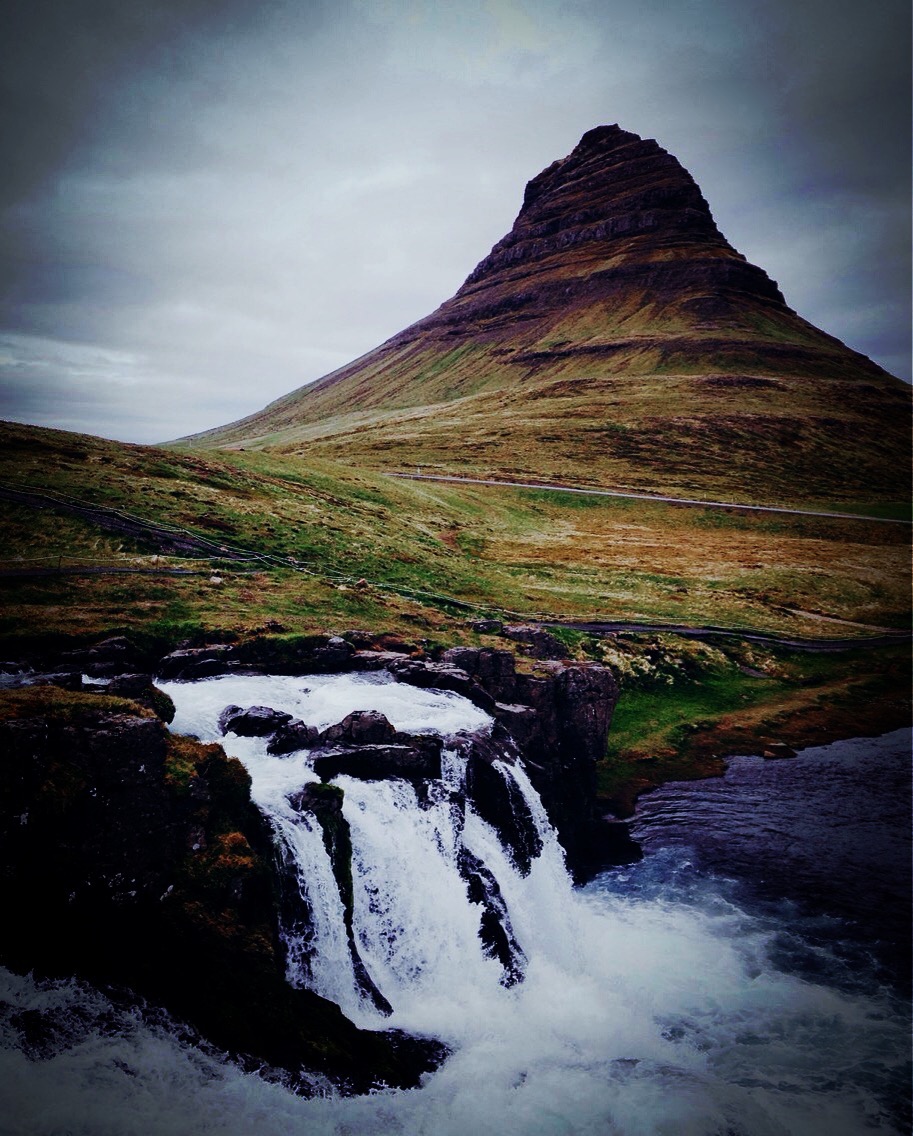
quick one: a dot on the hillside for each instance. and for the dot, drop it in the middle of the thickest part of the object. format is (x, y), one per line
(613, 337)
(102, 539)
(337, 547)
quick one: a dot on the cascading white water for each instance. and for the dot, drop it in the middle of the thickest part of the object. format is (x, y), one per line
(636, 1016)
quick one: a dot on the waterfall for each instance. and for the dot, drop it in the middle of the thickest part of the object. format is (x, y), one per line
(434, 887)
(654, 1010)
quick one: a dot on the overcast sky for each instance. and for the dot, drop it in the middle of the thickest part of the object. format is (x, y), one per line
(207, 203)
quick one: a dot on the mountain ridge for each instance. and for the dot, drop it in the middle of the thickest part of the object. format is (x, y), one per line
(617, 307)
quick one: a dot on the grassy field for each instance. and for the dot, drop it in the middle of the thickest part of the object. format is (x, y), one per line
(344, 548)
(370, 547)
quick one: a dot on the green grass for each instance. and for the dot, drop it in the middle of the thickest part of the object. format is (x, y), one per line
(421, 549)
(684, 706)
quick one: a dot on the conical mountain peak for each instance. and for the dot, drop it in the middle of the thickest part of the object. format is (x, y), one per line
(616, 198)
(612, 337)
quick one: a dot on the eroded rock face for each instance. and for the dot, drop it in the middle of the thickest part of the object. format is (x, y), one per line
(440, 676)
(135, 857)
(498, 801)
(493, 670)
(559, 717)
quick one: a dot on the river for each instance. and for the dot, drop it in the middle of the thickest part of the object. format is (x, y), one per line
(739, 981)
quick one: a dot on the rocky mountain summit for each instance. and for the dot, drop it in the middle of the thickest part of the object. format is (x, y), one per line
(612, 337)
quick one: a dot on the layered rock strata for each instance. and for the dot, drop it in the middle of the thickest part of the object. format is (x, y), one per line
(613, 336)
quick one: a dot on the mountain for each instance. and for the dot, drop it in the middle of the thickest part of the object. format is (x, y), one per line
(612, 337)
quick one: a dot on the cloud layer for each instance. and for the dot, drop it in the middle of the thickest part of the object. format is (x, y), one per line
(209, 203)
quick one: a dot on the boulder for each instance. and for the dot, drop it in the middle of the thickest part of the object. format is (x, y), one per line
(535, 642)
(334, 655)
(254, 722)
(141, 689)
(291, 737)
(487, 626)
(195, 662)
(361, 727)
(411, 762)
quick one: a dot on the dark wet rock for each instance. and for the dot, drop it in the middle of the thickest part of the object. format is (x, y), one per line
(324, 802)
(441, 676)
(574, 704)
(294, 655)
(66, 680)
(291, 737)
(361, 727)
(117, 651)
(254, 722)
(136, 858)
(559, 717)
(415, 762)
(521, 722)
(334, 655)
(535, 642)
(140, 688)
(498, 800)
(228, 713)
(494, 670)
(487, 626)
(195, 663)
(495, 928)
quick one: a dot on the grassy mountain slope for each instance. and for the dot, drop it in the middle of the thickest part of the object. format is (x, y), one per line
(613, 337)
(344, 548)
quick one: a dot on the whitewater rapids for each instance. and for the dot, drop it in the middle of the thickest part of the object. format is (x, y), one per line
(641, 1015)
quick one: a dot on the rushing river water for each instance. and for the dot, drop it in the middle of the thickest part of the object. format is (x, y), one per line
(736, 982)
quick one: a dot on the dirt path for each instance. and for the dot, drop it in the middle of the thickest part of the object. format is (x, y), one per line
(608, 627)
(649, 497)
(176, 542)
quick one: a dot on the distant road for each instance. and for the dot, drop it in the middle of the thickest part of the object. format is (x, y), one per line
(648, 497)
(603, 627)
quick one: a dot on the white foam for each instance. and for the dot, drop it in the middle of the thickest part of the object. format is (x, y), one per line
(635, 1017)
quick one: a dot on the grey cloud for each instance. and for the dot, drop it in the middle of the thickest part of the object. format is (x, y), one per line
(233, 199)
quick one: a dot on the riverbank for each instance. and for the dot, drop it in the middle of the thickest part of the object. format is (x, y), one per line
(684, 708)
